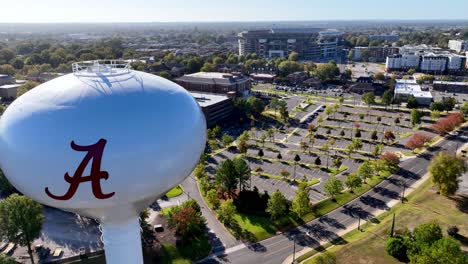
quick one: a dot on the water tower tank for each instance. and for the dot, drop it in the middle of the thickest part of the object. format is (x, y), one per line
(104, 142)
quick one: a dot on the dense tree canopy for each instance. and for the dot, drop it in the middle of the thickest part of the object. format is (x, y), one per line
(446, 169)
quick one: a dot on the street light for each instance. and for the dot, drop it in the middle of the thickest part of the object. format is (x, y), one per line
(294, 251)
(403, 193)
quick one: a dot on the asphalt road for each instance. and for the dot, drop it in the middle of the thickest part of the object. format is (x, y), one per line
(325, 228)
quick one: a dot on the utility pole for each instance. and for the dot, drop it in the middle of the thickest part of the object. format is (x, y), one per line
(403, 193)
(294, 251)
(359, 223)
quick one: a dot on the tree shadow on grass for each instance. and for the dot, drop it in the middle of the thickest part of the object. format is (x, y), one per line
(461, 238)
(461, 202)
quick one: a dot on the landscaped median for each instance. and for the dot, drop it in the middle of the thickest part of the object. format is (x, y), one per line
(262, 227)
(331, 170)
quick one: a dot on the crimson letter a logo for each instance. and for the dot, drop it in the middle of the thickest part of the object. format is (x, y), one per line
(95, 152)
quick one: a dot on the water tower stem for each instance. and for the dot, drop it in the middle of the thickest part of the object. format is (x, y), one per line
(122, 242)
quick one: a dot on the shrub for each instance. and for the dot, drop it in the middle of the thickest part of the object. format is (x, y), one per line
(395, 247)
(417, 141)
(448, 123)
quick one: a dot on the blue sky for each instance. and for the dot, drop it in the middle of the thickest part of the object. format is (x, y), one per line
(222, 10)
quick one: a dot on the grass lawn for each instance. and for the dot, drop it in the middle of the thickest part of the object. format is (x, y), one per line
(174, 192)
(423, 206)
(172, 255)
(264, 227)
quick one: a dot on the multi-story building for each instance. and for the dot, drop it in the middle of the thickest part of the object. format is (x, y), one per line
(427, 59)
(6, 79)
(216, 83)
(309, 43)
(458, 45)
(215, 107)
(373, 54)
(431, 62)
(399, 62)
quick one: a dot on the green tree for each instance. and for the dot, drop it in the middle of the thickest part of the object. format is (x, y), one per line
(287, 67)
(426, 234)
(437, 106)
(226, 212)
(449, 103)
(283, 109)
(277, 205)
(369, 98)
(353, 181)
(412, 102)
(387, 98)
(255, 106)
(226, 176)
(435, 114)
(293, 56)
(212, 198)
(20, 220)
(333, 186)
(445, 170)
(187, 221)
(243, 147)
(444, 250)
(207, 67)
(416, 116)
(463, 108)
(4, 259)
(326, 71)
(227, 140)
(301, 202)
(395, 247)
(274, 103)
(270, 134)
(243, 172)
(365, 170)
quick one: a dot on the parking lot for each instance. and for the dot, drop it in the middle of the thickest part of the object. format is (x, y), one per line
(273, 172)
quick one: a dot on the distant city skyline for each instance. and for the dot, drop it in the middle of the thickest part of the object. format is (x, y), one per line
(57, 11)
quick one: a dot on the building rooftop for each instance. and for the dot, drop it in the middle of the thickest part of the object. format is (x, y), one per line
(267, 75)
(451, 83)
(10, 86)
(207, 99)
(410, 87)
(212, 78)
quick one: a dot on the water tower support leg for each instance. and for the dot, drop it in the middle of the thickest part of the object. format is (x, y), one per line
(122, 242)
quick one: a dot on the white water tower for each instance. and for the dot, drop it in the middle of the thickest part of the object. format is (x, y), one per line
(104, 142)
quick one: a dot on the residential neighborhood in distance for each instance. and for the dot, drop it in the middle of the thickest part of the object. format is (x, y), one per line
(246, 132)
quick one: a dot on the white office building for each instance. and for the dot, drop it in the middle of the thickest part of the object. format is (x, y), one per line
(406, 88)
(433, 63)
(402, 62)
(458, 45)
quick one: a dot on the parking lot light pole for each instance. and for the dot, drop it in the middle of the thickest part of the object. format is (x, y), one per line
(359, 223)
(294, 251)
(403, 194)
